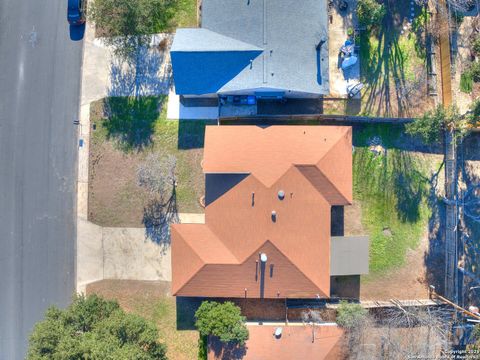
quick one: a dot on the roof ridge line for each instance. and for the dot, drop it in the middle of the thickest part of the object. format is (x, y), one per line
(327, 178)
(286, 257)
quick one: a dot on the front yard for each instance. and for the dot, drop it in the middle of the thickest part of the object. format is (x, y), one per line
(124, 131)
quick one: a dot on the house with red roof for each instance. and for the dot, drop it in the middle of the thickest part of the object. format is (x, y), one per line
(269, 196)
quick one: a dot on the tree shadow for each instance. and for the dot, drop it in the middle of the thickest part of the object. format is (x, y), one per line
(470, 224)
(409, 187)
(386, 64)
(130, 121)
(146, 73)
(227, 351)
(186, 308)
(157, 217)
(434, 258)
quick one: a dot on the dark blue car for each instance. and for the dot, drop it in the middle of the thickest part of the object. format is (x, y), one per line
(76, 12)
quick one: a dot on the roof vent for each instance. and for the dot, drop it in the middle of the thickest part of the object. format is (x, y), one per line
(263, 257)
(278, 332)
(281, 194)
(274, 216)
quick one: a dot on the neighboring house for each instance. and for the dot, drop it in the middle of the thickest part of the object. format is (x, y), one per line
(319, 342)
(263, 48)
(267, 233)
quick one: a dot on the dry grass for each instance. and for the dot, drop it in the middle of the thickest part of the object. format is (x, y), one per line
(151, 300)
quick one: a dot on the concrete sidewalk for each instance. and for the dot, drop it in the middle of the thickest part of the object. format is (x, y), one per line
(112, 253)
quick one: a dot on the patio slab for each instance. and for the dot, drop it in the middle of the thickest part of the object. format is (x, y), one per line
(177, 111)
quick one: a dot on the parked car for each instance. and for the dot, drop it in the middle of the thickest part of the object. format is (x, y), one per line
(76, 12)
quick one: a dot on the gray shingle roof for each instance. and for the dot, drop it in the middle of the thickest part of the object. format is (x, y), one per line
(287, 31)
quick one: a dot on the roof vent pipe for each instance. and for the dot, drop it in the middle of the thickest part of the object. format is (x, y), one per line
(274, 216)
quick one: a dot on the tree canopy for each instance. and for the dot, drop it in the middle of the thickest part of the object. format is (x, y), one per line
(223, 320)
(431, 125)
(370, 12)
(94, 328)
(127, 24)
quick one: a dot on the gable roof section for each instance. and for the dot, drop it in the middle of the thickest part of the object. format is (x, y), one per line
(269, 152)
(204, 40)
(285, 32)
(204, 61)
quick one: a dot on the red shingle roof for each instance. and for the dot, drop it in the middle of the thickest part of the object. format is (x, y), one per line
(312, 166)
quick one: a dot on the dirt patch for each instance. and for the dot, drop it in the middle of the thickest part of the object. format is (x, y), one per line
(353, 220)
(114, 197)
(407, 282)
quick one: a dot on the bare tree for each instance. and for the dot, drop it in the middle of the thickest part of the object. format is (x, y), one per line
(312, 318)
(157, 174)
(401, 333)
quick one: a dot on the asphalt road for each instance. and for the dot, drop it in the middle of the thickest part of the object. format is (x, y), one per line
(40, 67)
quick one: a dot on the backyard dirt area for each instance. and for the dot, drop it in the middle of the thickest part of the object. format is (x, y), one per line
(398, 182)
(122, 137)
(470, 185)
(393, 64)
(392, 59)
(152, 300)
(468, 30)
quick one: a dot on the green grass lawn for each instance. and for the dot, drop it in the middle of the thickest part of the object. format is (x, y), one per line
(393, 190)
(180, 344)
(187, 16)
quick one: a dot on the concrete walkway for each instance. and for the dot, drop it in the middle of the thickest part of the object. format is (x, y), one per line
(111, 253)
(177, 111)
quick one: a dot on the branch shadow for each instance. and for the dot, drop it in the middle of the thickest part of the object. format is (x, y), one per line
(385, 64)
(147, 73)
(434, 258)
(157, 217)
(130, 121)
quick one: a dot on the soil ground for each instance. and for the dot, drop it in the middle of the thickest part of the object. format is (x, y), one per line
(116, 150)
(152, 300)
(463, 46)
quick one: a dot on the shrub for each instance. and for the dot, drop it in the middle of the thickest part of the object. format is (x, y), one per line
(466, 82)
(476, 45)
(475, 71)
(350, 315)
(93, 328)
(126, 24)
(223, 320)
(370, 12)
(429, 125)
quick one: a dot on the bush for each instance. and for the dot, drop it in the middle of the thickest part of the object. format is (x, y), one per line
(475, 71)
(466, 82)
(350, 315)
(476, 45)
(203, 347)
(93, 328)
(126, 24)
(223, 320)
(429, 126)
(370, 12)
